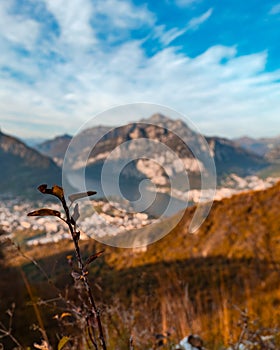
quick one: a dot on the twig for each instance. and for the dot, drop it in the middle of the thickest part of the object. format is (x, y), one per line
(7, 332)
(75, 237)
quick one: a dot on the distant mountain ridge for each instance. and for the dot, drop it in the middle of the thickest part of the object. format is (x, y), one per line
(23, 168)
(228, 155)
(232, 158)
(55, 148)
(267, 147)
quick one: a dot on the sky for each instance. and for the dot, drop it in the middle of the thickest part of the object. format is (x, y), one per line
(216, 62)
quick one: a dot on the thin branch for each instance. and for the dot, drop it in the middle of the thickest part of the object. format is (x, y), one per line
(8, 332)
(75, 238)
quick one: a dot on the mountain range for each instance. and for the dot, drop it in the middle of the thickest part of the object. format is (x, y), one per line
(25, 166)
(175, 134)
(229, 156)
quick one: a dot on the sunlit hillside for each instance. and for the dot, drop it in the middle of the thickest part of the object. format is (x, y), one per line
(182, 284)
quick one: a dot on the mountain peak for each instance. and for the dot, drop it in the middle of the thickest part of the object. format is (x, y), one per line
(174, 125)
(159, 118)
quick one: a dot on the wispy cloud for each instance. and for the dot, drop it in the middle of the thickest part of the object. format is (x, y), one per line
(186, 3)
(197, 21)
(167, 36)
(275, 9)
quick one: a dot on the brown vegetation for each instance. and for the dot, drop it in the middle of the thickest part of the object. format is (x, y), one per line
(182, 284)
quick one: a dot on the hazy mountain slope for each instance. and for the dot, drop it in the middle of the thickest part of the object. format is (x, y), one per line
(258, 146)
(23, 168)
(55, 148)
(267, 147)
(273, 154)
(231, 158)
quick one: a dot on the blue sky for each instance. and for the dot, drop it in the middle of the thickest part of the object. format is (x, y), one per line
(217, 62)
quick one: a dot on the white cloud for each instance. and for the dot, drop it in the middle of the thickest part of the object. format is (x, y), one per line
(123, 14)
(275, 9)
(204, 87)
(220, 90)
(74, 20)
(17, 29)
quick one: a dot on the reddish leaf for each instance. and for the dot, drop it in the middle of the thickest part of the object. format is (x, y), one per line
(55, 190)
(76, 196)
(44, 212)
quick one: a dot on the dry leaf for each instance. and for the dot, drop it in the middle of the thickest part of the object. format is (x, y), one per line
(44, 212)
(55, 190)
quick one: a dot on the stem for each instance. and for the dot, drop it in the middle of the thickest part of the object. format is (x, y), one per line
(91, 334)
(94, 308)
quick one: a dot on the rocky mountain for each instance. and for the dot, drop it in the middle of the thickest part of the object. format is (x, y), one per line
(157, 162)
(23, 168)
(229, 156)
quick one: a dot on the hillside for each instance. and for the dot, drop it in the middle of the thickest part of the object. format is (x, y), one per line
(183, 283)
(238, 227)
(22, 168)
